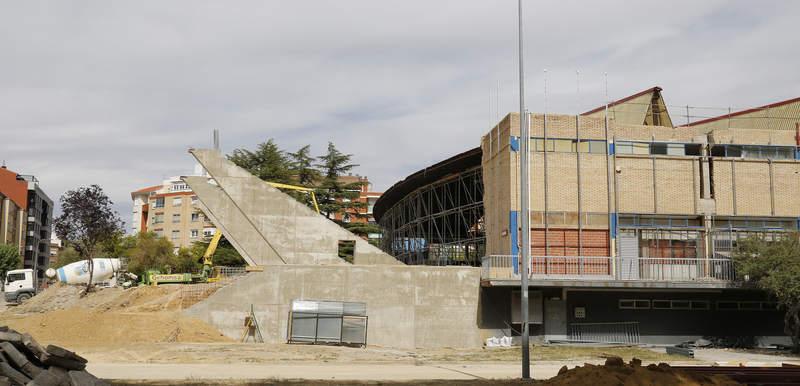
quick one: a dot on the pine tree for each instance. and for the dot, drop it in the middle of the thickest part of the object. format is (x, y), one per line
(267, 162)
(333, 195)
(302, 166)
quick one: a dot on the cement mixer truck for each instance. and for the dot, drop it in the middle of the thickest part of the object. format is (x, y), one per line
(105, 269)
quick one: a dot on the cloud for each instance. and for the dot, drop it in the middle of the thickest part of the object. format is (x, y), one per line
(114, 93)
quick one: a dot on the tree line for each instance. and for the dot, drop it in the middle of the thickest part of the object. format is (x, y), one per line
(323, 173)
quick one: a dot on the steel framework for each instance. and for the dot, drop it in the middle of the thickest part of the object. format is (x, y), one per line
(438, 224)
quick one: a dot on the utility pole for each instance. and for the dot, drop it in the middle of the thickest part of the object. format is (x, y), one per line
(524, 210)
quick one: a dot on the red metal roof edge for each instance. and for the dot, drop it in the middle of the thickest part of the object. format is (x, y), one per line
(147, 189)
(623, 100)
(748, 111)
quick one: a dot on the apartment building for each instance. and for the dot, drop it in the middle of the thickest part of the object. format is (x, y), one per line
(366, 196)
(13, 203)
(26, 219)
(38, 229)
(633, 220)
(170, 210)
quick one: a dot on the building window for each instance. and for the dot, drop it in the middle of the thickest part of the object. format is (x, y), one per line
(159, 203)
(176, 218)
(177, 201)
(658, 148)
(753, 151)
(562, 145)
(346, 218)
(195, 233)
(634, 304)
(159, 232)
(208, 232)
(158, 218)
(194, 200)
(195, 217)
(176, 235)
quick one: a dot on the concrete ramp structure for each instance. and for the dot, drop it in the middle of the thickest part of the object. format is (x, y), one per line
(407, 306)
(268, 226)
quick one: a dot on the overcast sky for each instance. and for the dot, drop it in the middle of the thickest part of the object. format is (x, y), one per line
(113, 92)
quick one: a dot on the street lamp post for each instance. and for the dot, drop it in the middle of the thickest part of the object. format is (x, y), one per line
(524, 210)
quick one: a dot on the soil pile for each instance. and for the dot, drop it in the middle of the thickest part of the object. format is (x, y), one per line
(108, 317)
(616, 372)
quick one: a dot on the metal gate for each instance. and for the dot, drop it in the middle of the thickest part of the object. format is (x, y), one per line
(328, 322)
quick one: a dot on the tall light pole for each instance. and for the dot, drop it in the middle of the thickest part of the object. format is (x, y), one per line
(524, 210)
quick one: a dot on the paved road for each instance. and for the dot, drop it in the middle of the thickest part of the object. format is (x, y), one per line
(357, 372)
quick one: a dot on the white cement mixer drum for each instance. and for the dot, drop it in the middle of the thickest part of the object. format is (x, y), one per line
(51, 273)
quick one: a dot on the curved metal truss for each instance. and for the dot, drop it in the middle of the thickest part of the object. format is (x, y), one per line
(438, 224)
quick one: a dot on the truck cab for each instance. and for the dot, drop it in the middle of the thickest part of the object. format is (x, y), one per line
(19, 285)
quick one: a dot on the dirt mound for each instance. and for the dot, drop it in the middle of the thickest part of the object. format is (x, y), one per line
(616, 372)
(145, 299)
(109, 317)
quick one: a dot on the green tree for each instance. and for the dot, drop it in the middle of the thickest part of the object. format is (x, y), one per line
(187, 261)
(151, 252)
(225, 255)
(302, 166)
(335, 196)
(9, 259)
(364, 230)
(66, 256)
(774, 266)
(87, 220)
(267, 162)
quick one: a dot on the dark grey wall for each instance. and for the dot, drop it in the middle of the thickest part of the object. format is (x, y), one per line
(603, 307)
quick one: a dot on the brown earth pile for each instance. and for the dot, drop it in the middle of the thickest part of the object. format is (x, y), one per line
(108, 317)
(615, 372)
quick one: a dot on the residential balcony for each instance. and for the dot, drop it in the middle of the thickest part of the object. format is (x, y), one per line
(610, 272)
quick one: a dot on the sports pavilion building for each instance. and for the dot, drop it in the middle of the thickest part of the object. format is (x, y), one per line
(633, 220)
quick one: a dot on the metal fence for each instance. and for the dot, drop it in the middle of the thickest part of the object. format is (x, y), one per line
(193, 293)
(615, 332)
(507, 267)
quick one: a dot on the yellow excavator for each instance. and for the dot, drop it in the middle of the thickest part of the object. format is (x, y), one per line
(154, 277)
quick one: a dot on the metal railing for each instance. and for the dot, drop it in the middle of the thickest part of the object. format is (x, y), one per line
(616, 332)
(506, 267)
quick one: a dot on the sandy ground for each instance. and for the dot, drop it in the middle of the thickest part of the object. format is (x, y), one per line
(141, 335)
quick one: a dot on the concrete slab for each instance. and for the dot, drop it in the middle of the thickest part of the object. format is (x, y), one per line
(268, 225)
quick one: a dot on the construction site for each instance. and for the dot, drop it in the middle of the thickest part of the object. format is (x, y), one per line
(633, 224)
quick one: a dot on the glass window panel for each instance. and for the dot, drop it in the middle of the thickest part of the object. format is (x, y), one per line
(727, 305)
(539, 144)
(555, 218)
(680, 305)
(624, 148)
(718, 150)
(658, 148)
(752, 306)
(627, 220)
(693, 149)
(598, 147)
(733, 151)
(550, 145)
(676, 149)
(563, 145)
(641, 148)
(661, 304)
(701, 305)
(642, 304)
(754, 152)
(784, 153)
(583, 147)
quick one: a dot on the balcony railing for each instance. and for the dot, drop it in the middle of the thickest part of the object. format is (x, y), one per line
(506, 267)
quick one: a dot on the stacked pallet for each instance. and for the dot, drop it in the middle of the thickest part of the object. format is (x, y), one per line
(23, 361)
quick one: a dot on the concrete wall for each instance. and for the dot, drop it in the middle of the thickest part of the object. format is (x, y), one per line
(408, 306)
(268, 226)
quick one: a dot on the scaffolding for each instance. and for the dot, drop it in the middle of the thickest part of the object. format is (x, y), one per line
(440, 223)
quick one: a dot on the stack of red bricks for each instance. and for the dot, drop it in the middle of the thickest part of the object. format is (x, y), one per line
(23, 361)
